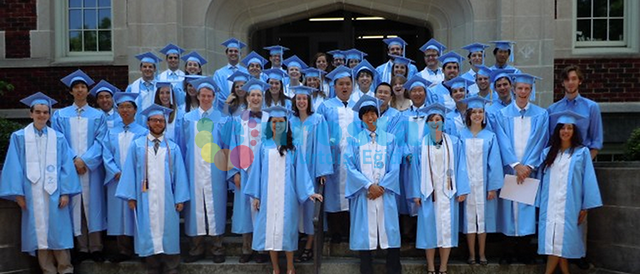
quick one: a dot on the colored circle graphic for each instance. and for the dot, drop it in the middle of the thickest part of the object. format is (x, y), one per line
(242, 156)
(209, 151)
(204, 124)
(222, 161)
(203, 138)
(255, 133)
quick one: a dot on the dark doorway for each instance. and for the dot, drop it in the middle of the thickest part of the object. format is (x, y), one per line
(343, 30)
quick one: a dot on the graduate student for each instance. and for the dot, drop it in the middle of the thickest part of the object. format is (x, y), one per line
(39, 175)
(255, 65)
(503, 53)
(440, 185)
(114, 153)
(313, 77)
(295, 66)
(154, 184)
(500, 83)
(395, 46)
(484, 168)
(233, 48)
(236, 102)
(190, 93)
(166, 97)
(366, 78)
(275, 95)
(103, 93)
(455, 119)
(451, 64)
(476, 58)
(432, 50)
(84, 129)
(372, 189)
(522, 131)
(173, 73)
(482, 85)
(279, 182)
(146, 84)
(276, 56)
(193, 63)
(569, 189)
(400, 99)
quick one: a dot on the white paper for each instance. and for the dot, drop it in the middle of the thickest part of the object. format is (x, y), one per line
(523, 193)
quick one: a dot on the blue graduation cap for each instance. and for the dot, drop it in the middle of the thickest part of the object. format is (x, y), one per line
(567, 117)
(475, 102)
(255, 84)
(274, 73)
(277, 111)
(339, 72)
(239, 76)
(253, 58)
(103, 86)
(313, 72)
(276, 50)
(367, 100)
(505, 45)
(400, 60)
(450, 57)
(459, 82)
(435, 108)
(295, 61)
(303, 90)
(38, 98)
(121, 97)
(475, 47)
(337, 54)
(500, 73)
(233, 43)
(205, 82)
(364, 65)
(193, 77)
(354, 54)
(484, 70)
(433, 44)
(171, 49)
(77, 75)
(148, 57)
(527, 79)
(161, 84)
(195, 57)
(156, 109)
(395, 41)
(417, 81)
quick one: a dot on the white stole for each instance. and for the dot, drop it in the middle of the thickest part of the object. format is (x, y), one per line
(34, 172)
(426, 186)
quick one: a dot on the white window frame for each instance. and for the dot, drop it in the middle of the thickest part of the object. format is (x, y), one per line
(62, 38)
(628, 45)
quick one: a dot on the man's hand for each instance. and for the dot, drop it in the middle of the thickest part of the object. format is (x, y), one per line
(417, 201)
(461, 198)
(117, 176)
(492, 195)
(522, 172)
(81, 167)
(316, 197)
(236, 180)
(64, 201)
(132, 204)
(582, 216)
(21, 202)
(179, 207)
(375, 191)
(256, 204)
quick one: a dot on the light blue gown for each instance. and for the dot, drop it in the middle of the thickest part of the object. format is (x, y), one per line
(413, 124)
(114, 154)
(394, 122)
(439, 93)
(385, 70)
(374, 223)
(224, 85)
(455, 123)
(113, 118)
(14, 182)
(282, 184)
(156, 219)
(521, 140)
(590, 128)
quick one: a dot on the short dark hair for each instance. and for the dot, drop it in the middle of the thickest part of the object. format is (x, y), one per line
(565, 72)
(366, 109)
(365, 71)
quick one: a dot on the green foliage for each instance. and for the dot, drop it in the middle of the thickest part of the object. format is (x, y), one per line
(5, 86)
(632, 147)
(6, 128)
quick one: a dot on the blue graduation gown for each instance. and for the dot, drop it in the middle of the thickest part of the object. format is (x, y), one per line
(567, 186)
(312, 139)
(413, 124)
(431, 76)
(224, 86)
(454, 123)
(157, 221)
(281, 183)
(590, 128)
(207, 181)
(531, 132)
(112, 118)
(386, 70)
(93, 126)
(343, 122)
(394, 122)
(174, 128)
(438, 221)
(484, 169)
(439, 93)
(14, 183)
(114, 154)
(373, 222)
(491, 111)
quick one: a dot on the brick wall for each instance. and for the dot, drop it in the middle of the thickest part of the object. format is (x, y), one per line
(17, 18)
(47, 80)
(606, 79)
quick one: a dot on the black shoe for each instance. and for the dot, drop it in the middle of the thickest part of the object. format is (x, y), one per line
(305, 256)
(261, 258)
(78, 257)
(97, 257)
(245, 258)
(194, 258)
(118, 258)
(583, 263)
(219, 259)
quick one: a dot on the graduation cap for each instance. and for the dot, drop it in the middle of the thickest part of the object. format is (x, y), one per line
(156, 109)
(77, 75)
(354, 54)
(567, 117)
(475, 102)
(339, 72)
(433, 44)
(103, 86)
(194, 56)
(276, 50)
(171, 49)
(484, 70)
(255, 84)
(367, 100)
(451, 57)
(401, 60)
(233, 43)
(435, 108)
(274, 73)
(417, 81)
(253, 58)
(204, 82)
(459, 82)
(476, 47)
(303, 90)
(148, 57)
(500, 73)
(527, 79)
(239, 76)
(193, 77)
(364, 65)
(505, 45)
(337, 54)
(121, 97)
(277, 111)
(313, 72)
(295, 61)
(38, 98)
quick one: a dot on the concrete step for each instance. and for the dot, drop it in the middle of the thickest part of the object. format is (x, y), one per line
(329, 265)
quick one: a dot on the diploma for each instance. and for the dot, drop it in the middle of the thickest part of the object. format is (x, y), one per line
(522, 193)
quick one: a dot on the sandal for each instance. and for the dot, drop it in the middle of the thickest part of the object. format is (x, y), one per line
(442, 272)
(431, 272)
(471, 261)
(305, 256)
(483, 262)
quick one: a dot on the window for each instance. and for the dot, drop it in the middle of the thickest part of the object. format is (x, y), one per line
(89, 26)
(601, 23)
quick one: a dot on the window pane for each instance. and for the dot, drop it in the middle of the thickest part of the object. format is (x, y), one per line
(584, 8)
(89, 3)
(75, 3)
(584, 30)
(90, 21)
(600, 30)
(104, 40)
(617, 8)
(104, 19)
(600, 8)
(104, 3)
(75, 41)
(616, 30)
(75, 19)
(90, 41)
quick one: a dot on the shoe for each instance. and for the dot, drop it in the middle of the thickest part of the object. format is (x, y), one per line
(245, 258)
(583, 263)
(118, 258)
(484, 262)
(97, 257)
(431, 272)
(442, 272)
(219, 259)
(261, 258)
(193, 258)
(305, 256)
(336, 238)
(471, 261)
(78, 257)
